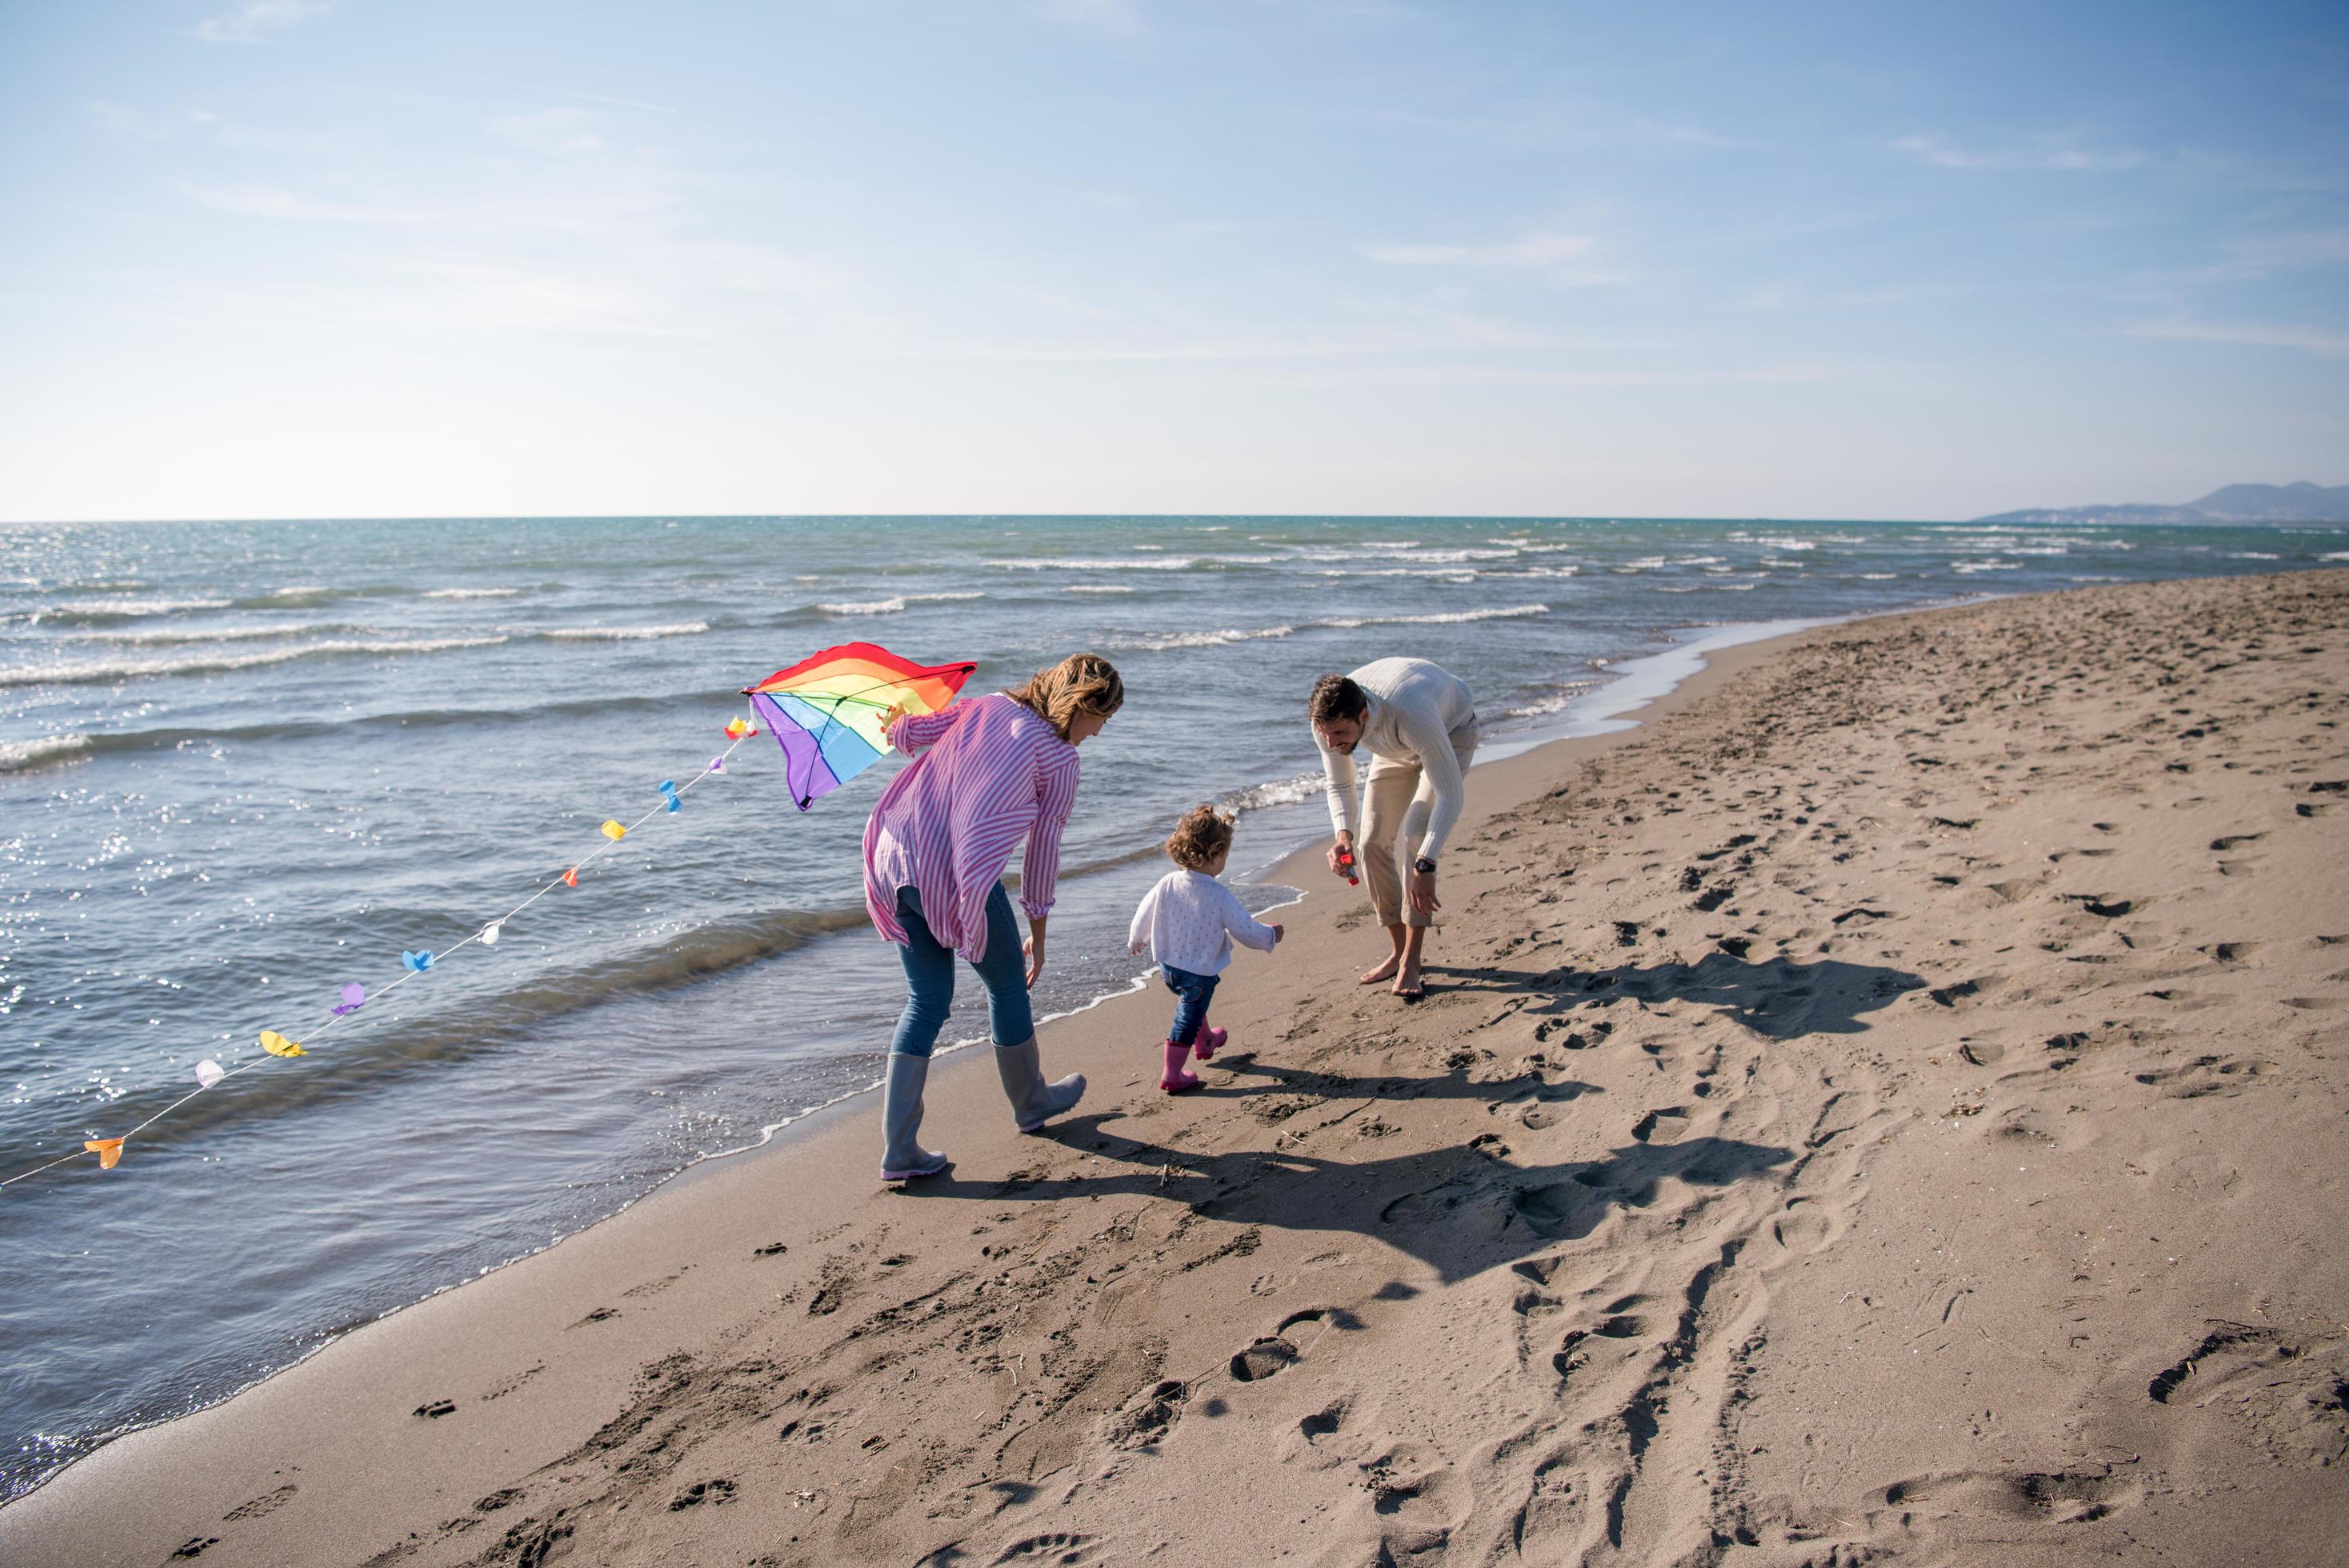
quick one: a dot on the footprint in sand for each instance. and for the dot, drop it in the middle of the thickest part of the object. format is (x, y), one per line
(1964, 991)
(1622, 1322)
(2224, 1336)
(1573, 1351)
(1982, 1050)
(1275, 1353)
(1413, 1480)
(1561, 1209)
(1805, 1227)
(261, 1507)
(2206, 1076)
(1058, 1546)
(1542, 1270)
(2059, 1497)
(713, 1492)
(1666, 1125)
(1150, 1417)
(1326, 1422)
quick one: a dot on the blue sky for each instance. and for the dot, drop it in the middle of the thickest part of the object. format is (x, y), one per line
(397, 257)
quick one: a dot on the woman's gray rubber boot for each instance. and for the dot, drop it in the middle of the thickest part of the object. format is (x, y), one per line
(1034, 1102)
(902, 1159)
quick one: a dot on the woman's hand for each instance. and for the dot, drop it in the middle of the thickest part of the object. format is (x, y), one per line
(1034, 948)
(889, 719)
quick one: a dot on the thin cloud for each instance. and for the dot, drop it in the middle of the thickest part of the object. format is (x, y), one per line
(1123, 18)
(276, 202)
(560, 132)
(2257, 255)
(615, 102)
(1533, 251)
(251, 23)
(139, 125)
(2047, 154)
(1557, 260)
(2322, 342)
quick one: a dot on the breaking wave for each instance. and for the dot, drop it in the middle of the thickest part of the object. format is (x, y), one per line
(50, 752)
(125, 609)
(624, 634)
(103, 670)
(1075, 563)
(1504, 613)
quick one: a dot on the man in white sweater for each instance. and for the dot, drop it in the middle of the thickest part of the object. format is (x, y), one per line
(1418, 722)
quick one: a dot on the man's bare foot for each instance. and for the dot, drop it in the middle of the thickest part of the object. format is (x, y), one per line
(1383, 972)
(1408, 987)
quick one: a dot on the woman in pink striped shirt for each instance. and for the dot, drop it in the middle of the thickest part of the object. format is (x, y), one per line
(986, 773)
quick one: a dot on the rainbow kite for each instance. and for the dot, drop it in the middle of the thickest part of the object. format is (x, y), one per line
(826, 710)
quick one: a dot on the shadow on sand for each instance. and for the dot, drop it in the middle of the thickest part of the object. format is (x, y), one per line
(1778, 997)
(1460, 1210)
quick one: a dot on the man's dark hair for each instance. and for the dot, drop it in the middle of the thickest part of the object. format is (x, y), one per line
(1336, 696)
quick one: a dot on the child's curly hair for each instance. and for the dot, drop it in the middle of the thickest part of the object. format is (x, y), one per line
(1202, 835)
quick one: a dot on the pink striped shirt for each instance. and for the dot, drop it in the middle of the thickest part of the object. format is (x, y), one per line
(984, 772)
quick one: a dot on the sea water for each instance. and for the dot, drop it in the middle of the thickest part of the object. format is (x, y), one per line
(244, 764)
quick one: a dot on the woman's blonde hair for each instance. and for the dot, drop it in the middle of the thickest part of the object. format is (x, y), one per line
(1202, 835)
(1081, 682)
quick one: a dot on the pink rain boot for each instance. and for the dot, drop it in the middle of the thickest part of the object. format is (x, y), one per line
(1175, 1081)
(1210, 1041)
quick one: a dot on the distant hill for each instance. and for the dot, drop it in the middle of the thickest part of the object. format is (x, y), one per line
(2302, 503)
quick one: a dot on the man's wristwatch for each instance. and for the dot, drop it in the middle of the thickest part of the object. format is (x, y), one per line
(1423, 866)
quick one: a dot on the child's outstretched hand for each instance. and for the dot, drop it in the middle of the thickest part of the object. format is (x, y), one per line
(1279, 931)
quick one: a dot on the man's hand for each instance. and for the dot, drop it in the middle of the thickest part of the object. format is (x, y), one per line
(1423, 902)
(1341, 857)
(1034, 948)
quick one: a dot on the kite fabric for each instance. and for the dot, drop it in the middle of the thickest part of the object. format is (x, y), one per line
(826, 710)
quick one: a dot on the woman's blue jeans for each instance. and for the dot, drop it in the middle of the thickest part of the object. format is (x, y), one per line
(1191, 994)
(930, 978)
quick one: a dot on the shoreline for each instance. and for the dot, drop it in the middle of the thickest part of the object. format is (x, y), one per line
(1621, 685)
(533, 1358)
(1695, 664)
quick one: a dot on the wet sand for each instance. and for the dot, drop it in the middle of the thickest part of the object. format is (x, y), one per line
(1889, 1106)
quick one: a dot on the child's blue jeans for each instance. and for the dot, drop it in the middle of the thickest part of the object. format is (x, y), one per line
(930, 978)
(1191, 994)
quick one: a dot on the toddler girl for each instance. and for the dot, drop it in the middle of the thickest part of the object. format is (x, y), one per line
(1188, 922)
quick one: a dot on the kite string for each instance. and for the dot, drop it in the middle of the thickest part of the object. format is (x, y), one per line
(332, 1021)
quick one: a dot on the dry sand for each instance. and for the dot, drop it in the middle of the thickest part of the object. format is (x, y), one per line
(1889, 1108)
